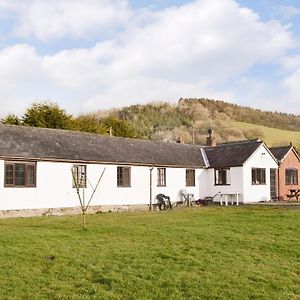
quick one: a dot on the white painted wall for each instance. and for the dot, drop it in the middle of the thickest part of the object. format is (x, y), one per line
(175, 184)
(260, 159)
(54, 187)
(235, 186)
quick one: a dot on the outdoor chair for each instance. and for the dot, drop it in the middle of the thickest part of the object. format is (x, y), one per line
(163, 201)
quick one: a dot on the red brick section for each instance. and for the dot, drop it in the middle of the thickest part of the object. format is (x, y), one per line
(290, 161)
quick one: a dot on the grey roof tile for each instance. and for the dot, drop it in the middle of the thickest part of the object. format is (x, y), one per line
(231, 154)
(54, 144)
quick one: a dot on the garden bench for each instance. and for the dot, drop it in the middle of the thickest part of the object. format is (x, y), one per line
(293, 194)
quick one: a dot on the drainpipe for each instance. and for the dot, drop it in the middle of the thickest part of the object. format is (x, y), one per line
(278, 183)
(150, 188)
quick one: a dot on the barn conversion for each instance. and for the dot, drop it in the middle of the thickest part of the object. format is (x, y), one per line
(37, 168)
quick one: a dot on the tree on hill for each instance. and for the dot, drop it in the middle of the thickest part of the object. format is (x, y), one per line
(11, 119)
(88, 123)
(47, 115)
(118, 127)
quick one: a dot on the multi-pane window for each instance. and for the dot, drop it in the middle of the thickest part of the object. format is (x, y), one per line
(258, 176)
(161, 176)
(20, 174)
(222, 176)
(79, 176)
(190, 177)
(291, 176)
(124, 176)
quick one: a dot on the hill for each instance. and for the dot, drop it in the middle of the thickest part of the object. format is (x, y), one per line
(249, 115)
(188, 120)
(274, 136)
(191, 118)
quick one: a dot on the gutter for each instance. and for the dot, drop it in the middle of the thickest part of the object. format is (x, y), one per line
(150, 189)
(62, 160)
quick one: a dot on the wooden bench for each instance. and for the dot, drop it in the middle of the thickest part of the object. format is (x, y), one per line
(293, 194)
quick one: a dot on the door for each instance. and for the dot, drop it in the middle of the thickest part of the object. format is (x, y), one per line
(273, 185)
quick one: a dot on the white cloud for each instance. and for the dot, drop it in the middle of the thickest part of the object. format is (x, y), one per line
(287, 11)
(291, 62)
(188, 51)
(292, 86)
(55, 19)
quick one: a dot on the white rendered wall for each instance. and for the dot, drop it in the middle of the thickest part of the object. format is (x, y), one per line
(54, 187)
(260, 159)
(235, 186)
(176, 184)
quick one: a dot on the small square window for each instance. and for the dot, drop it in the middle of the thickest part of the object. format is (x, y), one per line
(291, 176)
(161, 176)
(222, 176)
(79, 176)
(258, 176)
(123, 176)
(190, 177)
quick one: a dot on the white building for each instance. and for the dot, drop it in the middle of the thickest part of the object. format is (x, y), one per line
(240, 171)
(36, 164)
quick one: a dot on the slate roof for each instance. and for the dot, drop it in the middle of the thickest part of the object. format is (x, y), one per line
(280, 152)
(231, 154)
(62, 145)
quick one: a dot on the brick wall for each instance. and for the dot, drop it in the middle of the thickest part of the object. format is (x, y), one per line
(290, 161)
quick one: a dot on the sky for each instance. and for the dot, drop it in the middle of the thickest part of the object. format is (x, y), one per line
(99, 54)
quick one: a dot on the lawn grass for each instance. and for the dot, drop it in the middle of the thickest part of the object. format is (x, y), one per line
(274, 136)
(197, 253)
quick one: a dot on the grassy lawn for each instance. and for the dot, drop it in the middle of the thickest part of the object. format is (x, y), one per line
(274, 136)
(197, 253)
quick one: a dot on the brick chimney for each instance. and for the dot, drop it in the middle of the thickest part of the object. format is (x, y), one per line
(211, 140)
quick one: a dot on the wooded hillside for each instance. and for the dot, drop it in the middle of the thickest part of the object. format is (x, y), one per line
(250, 115)
(191, 119)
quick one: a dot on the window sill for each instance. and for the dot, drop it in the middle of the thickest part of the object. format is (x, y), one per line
(20, 186)
(225, 184)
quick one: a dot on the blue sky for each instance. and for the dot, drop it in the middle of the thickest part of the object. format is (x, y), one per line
(99, 54)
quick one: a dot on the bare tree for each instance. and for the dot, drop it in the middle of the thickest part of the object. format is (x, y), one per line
(80, 184)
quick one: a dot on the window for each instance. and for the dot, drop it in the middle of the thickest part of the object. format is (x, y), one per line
(124, 176)
(291, 176)
(258, 176)
(222, 176)
(161, 176)
(20, 174)
(79, 176)
(190, 177)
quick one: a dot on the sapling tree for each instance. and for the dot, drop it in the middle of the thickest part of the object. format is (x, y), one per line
(80, 182)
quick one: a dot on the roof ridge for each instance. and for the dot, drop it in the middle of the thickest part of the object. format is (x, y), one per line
(65, 131)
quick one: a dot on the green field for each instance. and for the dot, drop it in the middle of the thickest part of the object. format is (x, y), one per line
(274, 136)
(197, 253)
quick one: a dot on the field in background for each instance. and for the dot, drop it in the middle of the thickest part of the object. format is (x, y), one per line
(198, 253)
(274, 136)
